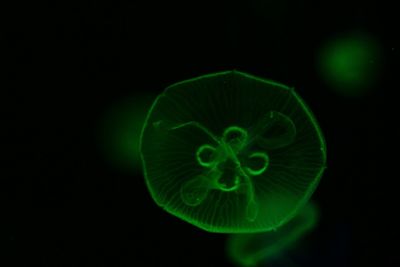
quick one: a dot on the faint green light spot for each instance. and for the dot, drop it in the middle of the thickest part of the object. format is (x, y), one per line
(119, 132)
(350, 65)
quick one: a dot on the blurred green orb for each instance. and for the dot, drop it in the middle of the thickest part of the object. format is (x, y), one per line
(119, 132)
(350, 65)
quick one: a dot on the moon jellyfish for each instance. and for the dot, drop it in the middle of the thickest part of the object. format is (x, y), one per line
(231, 153)
(253, 249)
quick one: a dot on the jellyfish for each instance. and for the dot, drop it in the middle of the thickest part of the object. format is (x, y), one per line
(253, 249)
(231, 153)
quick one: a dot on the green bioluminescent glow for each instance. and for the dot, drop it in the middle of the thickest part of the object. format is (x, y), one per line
(252, 249)
(119, 132)
(231, 153)
(350, 65)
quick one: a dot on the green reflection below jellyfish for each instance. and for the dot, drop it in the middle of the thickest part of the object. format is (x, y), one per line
(231, 153)
(249, 250)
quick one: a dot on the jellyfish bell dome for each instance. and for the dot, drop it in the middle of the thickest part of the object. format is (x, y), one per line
(232, 153)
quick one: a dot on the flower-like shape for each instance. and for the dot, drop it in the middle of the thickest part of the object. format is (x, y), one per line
(225, 169)
(230, 162)
(224, 164)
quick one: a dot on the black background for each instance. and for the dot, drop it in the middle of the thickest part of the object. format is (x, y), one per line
(67, 62)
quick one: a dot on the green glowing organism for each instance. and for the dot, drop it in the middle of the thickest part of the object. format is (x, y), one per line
(350, 64)
(231, 153)
(252, 249)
